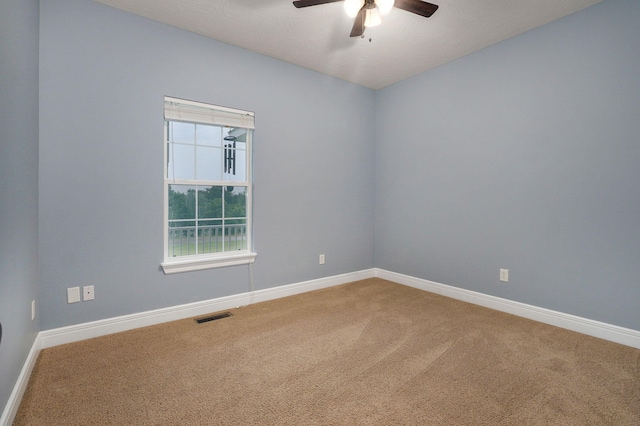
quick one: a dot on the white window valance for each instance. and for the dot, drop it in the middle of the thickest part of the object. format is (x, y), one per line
(196, 112)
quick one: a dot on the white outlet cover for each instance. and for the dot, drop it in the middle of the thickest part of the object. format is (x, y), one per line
(73, 294)
(88, 292)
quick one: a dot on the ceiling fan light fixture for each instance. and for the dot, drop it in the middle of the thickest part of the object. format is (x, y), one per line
(367, 12)
(384, 6)
(372, 18)
(352, 7)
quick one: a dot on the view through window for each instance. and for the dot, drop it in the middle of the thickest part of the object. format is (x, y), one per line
(207, 185)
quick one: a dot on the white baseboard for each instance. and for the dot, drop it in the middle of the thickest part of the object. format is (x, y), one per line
(77, 332)
(586, 326)
(11, 408)
(74, 333)
(88, 330)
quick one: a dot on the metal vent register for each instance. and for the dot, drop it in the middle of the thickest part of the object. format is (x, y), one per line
(213, 317)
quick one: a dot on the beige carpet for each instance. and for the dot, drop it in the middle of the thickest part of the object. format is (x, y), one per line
(369, 352)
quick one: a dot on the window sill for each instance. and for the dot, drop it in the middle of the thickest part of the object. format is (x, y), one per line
(200, 263)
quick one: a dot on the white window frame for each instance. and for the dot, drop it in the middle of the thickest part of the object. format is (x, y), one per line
(198, 112)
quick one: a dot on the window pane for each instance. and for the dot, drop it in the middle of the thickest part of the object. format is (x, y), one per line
(210, 237)
(181, 161)
(235, 233)
(209, 163)
(235, 202)
(182, 204)
(182, 240)
(209, 135)
(209, 202)
(182, 132)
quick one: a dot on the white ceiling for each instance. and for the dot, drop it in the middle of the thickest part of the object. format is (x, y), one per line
(317, 37)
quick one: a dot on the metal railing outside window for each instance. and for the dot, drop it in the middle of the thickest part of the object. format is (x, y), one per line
(191, 240)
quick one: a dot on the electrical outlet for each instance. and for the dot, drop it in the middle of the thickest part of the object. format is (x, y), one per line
(73, 294)
(87, 293)
(33, 310)
(321, 259)
(504, 275)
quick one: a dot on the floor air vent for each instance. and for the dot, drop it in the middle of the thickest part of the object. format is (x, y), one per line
(213, 317)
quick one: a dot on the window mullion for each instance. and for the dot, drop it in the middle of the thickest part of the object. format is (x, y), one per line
(195, 175)
(197, 223)
(223, 220)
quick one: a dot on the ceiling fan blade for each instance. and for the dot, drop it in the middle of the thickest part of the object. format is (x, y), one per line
(417, 6)
(307, 3)
(358, 24)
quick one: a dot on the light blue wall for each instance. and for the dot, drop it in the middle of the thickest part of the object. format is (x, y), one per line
(103, 75)
(19, 186)
(522, 156)
(525, 156)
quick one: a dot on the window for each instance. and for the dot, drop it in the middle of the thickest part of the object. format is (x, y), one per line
(207, 186)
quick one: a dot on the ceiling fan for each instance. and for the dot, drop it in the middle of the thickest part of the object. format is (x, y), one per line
(367, 12)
